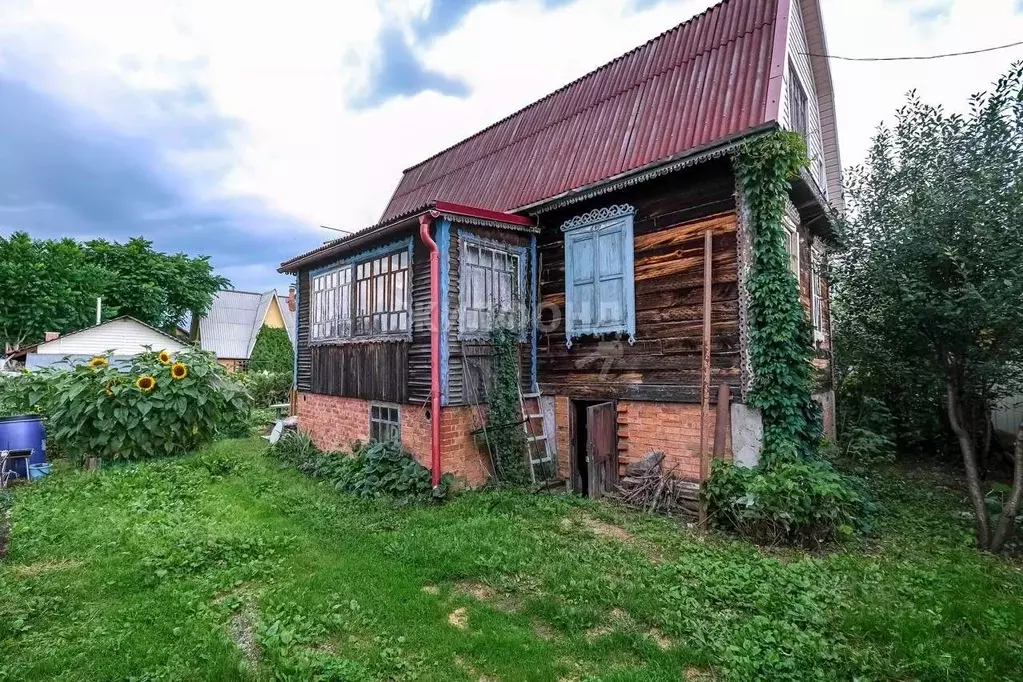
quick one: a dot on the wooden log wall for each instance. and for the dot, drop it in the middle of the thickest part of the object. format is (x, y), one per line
(672, 214)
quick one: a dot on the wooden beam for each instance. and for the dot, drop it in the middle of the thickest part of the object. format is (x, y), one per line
(708, 280)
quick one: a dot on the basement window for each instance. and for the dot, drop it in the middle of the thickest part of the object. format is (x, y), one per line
(384, 423)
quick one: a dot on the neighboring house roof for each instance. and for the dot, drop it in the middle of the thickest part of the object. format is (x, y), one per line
(124, 335)
(229, 329)
(714, 77)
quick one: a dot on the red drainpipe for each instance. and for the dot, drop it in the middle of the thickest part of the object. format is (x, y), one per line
(435, 308)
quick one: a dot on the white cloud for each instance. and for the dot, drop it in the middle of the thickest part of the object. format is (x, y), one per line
(286, 73)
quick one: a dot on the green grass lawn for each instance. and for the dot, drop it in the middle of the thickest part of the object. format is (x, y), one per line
(224, 565)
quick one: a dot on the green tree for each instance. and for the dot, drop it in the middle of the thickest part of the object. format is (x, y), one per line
(156, 288)
(46, 285)
(927, 293)
(272, 351)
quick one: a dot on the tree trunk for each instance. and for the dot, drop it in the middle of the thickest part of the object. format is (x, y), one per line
(983, 522)
(985, 453)
(1007, 523)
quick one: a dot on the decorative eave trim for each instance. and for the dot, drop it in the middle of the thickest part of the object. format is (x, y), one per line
(661, 168)
(598, 215)
(459, 219)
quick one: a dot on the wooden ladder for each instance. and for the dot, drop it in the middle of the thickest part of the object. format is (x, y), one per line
(539, 448)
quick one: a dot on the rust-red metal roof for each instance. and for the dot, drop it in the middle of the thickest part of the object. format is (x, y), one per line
(699, 82)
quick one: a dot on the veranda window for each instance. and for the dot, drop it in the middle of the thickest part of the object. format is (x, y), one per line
(332, 305)
(367, 297)
(382, 301)
(490, 293)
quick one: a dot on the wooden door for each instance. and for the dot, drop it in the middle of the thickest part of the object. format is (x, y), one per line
(602, 448)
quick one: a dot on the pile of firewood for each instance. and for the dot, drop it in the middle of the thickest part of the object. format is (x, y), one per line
(649, 487)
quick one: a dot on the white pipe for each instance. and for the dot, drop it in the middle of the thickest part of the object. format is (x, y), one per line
(99, 310)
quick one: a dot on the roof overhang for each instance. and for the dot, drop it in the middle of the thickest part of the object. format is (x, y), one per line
(461, 213)
(815, 212)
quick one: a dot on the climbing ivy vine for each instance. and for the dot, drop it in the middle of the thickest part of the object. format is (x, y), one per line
(793, 495)
(780, 336)
(505, 436)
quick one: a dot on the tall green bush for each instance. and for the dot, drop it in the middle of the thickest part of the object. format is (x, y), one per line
(160, 405)
(272, 351)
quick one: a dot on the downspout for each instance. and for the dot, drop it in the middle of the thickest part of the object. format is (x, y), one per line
(435, 388)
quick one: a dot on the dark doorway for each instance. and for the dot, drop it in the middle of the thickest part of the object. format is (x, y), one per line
(594, 431)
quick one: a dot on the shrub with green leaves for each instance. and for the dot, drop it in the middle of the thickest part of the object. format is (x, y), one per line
(371, 471)
(268, 388)
(804, 503)
(160, 405)
(272, 351)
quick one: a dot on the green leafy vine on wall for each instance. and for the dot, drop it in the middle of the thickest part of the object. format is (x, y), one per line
(505, 436)
(780, 335)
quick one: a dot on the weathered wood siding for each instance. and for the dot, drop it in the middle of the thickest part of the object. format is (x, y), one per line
(372, 371)
(418, 374)
(672, 215)
(303, 380)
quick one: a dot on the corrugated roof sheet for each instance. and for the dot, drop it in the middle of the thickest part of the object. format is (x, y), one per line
(699, 82)
(229, 329)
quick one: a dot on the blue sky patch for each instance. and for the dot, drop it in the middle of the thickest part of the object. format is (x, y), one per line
(66, 173)
(398, 72)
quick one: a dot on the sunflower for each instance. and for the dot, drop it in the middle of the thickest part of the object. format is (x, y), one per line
(98, 362)
(164, 357)
(145, 383)
(179, 370)
(109, 388)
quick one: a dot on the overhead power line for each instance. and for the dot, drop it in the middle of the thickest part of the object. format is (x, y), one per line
(915, 58)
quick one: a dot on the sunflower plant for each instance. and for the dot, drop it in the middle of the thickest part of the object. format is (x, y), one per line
(149, 408)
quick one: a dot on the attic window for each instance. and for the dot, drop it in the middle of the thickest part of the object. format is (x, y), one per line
(798, 103)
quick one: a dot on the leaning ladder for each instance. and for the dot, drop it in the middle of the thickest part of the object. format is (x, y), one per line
(539, 448)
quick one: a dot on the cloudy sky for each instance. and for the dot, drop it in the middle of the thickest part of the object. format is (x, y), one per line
(235, 129)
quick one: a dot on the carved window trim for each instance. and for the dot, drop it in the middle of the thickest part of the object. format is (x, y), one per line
(591, 225)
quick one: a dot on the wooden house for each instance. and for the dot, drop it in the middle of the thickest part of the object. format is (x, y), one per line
(584, 216)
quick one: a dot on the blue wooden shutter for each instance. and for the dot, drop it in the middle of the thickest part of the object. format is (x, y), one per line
(599, 273)
(611, 304)
(580, 282)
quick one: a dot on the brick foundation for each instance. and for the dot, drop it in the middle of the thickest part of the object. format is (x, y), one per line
(334, 422)
(643, 427)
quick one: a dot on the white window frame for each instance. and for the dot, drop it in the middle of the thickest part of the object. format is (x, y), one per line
(817, 263)
(607, 219)
(792, 247)
(330, 308)
(512, 318)
(386, 416)
(335, 311)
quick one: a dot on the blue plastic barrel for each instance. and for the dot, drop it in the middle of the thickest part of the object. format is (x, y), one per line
(18, 434)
